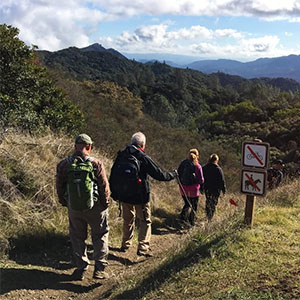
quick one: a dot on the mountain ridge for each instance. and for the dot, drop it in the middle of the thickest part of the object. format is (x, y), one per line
(283, 66)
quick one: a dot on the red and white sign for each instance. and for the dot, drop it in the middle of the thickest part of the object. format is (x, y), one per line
(255, 155)
(253, 182)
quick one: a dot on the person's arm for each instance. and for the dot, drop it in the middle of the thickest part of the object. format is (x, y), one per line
(222, 178)
(199, 175)
(61, 182)
(102, 182)
(155, 172)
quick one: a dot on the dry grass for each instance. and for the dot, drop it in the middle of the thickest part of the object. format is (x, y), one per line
(35, 211)
(236, 261)
(225, 260)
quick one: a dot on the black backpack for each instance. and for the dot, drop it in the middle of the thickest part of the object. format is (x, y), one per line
(124, 177)
(186, 172)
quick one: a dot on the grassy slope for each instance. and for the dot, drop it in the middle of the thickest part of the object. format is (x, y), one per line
(234, 262)
(221, 260)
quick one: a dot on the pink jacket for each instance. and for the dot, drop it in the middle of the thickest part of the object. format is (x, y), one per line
(193, 190)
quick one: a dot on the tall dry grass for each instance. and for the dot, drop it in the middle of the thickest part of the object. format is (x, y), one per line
(28, 165)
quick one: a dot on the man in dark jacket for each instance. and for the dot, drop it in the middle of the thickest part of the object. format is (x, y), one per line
(137, 205)
(214, 183)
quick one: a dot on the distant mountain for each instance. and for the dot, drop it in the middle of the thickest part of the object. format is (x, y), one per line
(95, 62)
(89, 63)
(98, 48)
(285, 66)
(174, 60)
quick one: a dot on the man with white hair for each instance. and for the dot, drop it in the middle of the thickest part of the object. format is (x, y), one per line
(134, 192)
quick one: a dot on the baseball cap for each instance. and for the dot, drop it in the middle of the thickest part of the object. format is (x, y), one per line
(83, 139)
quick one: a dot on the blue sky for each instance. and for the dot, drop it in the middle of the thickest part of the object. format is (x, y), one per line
(209, 29)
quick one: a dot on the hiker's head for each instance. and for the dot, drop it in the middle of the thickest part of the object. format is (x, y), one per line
(138, 139)
(214, 158)
(193, 156)
(83, 143)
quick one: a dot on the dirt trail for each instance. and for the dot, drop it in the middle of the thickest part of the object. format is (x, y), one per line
(37, 281)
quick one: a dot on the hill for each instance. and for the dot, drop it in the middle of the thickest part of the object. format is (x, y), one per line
(219, 106)
(232, 262)
(217, 260)
(283, 67)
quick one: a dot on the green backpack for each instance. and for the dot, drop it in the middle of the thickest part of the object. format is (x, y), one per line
(81, 183)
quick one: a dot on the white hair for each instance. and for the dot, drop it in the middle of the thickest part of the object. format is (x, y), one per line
(138, 139)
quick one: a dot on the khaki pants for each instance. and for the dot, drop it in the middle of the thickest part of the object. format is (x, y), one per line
(143, 213)
(97, 219)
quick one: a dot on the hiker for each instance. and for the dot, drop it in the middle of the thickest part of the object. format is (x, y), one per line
(214, 184)
(82, 187)
(275, 174)
(130, 185)
(190, 177)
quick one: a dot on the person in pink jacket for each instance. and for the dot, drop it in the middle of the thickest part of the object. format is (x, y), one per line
(190, 177)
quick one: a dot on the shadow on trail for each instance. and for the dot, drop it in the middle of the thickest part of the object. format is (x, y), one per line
(50, 250)
(162, 274)
(16, 279)
(123, 260)
(167, 223)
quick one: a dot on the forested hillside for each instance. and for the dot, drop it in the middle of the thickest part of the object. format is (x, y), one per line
(220, 107)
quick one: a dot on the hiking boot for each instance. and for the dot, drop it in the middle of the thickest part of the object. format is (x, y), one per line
(78, 274)
(99, 273)
(144, 253)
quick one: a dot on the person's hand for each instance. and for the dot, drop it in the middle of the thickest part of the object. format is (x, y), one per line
(175, 175)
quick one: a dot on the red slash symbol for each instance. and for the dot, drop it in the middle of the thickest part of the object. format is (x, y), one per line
(255, 155)
(253, 182)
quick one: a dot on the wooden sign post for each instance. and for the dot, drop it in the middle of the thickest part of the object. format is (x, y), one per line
(254, 175)
(249, 210)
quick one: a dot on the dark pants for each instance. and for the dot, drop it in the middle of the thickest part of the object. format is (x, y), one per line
(212, 198)
(188, 212)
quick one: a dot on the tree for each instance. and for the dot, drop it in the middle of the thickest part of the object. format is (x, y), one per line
(28, 99)
(159, 108)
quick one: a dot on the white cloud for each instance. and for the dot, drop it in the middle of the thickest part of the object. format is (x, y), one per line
(51, 25)
(259, 8)
(158, 38)
(265, 44)
(197, 41)
(56, 24)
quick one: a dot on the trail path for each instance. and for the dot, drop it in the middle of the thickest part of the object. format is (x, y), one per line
(21, 279)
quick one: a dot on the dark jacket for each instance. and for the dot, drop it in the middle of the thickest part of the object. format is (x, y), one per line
(214, 180)
(147, 167)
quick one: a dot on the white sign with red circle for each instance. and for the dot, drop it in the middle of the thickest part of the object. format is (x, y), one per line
(253, 182)
(255, 155)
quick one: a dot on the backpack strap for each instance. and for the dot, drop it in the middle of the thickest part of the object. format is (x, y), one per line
(89, 158)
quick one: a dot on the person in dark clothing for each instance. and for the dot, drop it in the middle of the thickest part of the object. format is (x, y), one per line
(139, 204)
(275, 174)
(214, 184)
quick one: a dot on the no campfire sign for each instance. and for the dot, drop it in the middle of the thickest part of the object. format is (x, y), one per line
(255, 155)
(253, 182)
